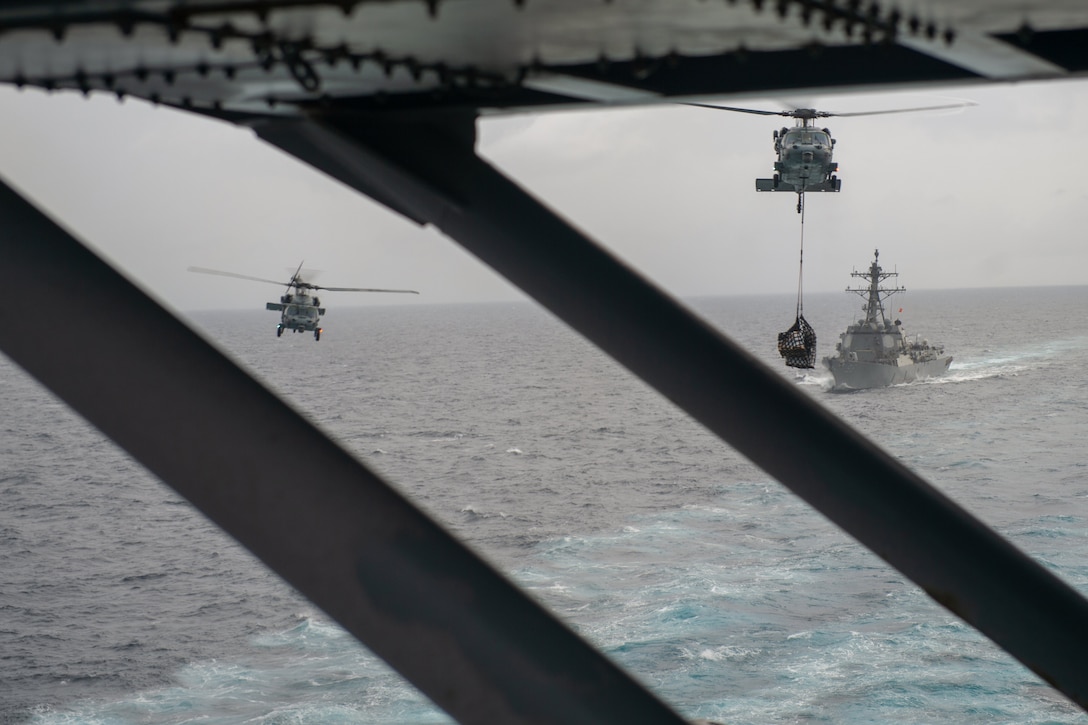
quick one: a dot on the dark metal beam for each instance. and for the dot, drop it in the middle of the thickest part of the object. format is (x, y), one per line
(471, 641)
(956, 559)
(842, 66)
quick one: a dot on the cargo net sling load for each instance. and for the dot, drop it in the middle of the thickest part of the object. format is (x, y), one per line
(797, 345)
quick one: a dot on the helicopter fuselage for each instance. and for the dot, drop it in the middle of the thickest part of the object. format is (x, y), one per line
(804, 161)
(298, 312)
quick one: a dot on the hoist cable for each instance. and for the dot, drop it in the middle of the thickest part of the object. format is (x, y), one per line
(801, 265)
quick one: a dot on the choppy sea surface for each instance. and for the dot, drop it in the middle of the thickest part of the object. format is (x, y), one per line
(694, 570)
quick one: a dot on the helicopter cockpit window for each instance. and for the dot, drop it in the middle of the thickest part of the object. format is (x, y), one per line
(807, 137)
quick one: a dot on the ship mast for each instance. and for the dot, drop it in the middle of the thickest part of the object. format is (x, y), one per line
(874, 294)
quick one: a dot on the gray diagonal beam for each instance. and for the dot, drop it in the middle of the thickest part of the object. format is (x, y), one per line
(956, 559)
(418, 598)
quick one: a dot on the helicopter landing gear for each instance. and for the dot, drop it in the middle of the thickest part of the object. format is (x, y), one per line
(317, 334)
(279, 330)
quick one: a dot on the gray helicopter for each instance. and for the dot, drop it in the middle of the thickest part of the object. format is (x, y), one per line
(804, 151)
(300, 309)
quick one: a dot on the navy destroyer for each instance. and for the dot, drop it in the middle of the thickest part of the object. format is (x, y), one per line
(874, 353)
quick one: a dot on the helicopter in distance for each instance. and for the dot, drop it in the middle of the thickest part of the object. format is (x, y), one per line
(300, 309)
(805, 152)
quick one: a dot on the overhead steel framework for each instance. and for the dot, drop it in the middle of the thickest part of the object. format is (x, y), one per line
(384, 96)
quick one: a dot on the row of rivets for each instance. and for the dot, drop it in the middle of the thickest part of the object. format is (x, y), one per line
(851, 14)
(299, 56)
(180, 18)
(292, 55)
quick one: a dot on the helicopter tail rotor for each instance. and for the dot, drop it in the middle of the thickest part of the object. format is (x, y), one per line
(296, 280)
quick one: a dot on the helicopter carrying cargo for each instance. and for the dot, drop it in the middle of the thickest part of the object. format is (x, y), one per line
(805, 152)
(300, 310)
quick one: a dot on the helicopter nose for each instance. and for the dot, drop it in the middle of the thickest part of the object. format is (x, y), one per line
(806, 157)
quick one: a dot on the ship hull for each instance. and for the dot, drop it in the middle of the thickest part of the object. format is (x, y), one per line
(862, 375)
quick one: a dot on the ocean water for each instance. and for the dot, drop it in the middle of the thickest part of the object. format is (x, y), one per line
(699, 574)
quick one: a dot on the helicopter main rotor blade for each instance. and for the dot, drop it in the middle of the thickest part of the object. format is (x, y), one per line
(204, 270)
(742, 110)
(901, 110)
(812, 113)
(363, 289)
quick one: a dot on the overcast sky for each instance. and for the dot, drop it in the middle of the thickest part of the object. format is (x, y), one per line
(993, 195)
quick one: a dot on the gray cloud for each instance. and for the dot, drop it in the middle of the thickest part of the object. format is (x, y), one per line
(990, 196)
